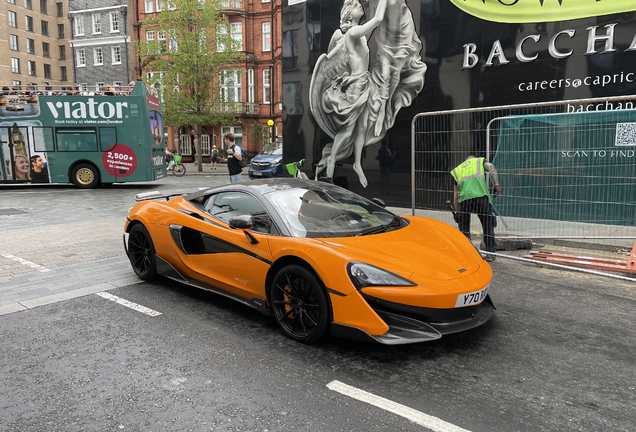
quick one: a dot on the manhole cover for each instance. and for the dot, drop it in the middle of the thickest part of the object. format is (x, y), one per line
(11, 211)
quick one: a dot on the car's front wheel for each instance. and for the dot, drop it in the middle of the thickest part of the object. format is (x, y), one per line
(141, 252)
(300, 304)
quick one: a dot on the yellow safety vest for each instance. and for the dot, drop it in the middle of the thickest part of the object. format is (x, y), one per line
(471, 179)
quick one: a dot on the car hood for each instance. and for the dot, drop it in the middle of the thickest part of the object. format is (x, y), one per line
(266, 158)
(419, 249)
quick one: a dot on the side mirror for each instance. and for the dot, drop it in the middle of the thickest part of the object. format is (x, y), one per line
(242, 222)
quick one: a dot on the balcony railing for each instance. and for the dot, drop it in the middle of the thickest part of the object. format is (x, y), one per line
(240, 108)
(233, 5)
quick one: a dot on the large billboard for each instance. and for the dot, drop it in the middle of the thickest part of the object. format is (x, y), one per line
(356, 73)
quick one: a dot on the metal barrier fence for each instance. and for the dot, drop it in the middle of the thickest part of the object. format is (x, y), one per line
(567, 169)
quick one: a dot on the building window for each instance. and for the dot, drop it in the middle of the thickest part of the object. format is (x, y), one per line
(16, 84)
(60, 9)
(250, 85)
(31, 65)
(13, 42)
(173, 41)
(29, 23)
(150, 6)
(161, 40)
(28, 5)
(45, 28)
(230, 86)
(47, 71)
(116, 54)
(97, 23)
(63, 76)
(79, 25)
(43, 7)
(62, 52)
(98, 56)
(12, 20)
(266, 86)
(160, 5)
(11, 2)
(238, 134)
(236, 31)
(114, 22)
(99, 86)
(30, 46)
(220, 43)
(15, 65)
(150, 35)
(45, 49)
(81, 57)
(60, 31)
(267, 37)
(290, 49)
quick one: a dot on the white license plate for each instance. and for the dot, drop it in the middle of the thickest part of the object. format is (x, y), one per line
(471, 299)
(257, 173)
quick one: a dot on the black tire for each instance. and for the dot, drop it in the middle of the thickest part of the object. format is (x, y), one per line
(300, 305)
(141, 252)
(179, 170)
(85, 176)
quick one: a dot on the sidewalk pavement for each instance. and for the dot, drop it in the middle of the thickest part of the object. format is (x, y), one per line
(192, 168)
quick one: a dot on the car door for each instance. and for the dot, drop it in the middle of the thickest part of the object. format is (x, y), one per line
(234, 260)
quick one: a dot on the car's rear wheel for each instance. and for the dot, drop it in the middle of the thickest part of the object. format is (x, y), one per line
(141, 252)
(300, 304)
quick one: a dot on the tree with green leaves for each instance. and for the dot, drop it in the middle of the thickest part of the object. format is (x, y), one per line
(192, 50)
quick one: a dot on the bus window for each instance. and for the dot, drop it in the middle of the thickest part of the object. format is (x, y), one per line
(76, 139)
(107, 137)
(43, 137)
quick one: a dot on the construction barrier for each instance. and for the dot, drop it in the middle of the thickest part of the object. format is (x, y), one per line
(567, 169)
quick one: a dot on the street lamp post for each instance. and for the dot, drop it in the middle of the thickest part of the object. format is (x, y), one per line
(270, 123)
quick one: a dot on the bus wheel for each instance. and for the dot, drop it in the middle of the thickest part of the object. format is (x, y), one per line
(85, 176)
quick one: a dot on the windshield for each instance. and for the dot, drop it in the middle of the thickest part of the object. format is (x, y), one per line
(329, 211)
(275, 148)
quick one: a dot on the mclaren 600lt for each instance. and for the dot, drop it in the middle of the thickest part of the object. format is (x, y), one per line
(316, 257)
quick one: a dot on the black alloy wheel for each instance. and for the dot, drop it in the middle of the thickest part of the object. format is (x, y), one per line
(141, 252)
(300, 305)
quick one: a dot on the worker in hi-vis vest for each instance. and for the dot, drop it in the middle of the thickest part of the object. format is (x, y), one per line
(471, 195)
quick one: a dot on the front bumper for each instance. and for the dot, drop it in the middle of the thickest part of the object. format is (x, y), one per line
(408, 324)
(276, 171)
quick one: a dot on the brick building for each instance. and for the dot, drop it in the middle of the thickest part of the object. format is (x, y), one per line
(254, 94)
(34, 50)
(103, 51)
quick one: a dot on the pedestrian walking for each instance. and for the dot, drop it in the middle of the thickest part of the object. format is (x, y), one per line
(214, 157)
(234, 158)
(471, 195)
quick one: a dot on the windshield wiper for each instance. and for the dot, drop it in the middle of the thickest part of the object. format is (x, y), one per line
(395, 223)
(373, 230)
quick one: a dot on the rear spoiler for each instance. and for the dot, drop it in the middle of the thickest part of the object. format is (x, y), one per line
(144, 196)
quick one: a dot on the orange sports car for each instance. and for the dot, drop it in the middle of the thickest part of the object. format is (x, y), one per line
(318, 258)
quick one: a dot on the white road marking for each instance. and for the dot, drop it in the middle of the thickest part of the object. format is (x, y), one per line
(430, 422)
(123, 302)
(25, 262)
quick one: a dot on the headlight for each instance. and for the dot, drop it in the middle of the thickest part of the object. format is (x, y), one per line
(362, 275)
(276, 162)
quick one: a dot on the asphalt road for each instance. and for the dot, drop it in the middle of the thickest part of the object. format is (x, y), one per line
(558, 356)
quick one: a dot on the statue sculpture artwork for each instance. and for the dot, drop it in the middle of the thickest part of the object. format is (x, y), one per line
(356, 105)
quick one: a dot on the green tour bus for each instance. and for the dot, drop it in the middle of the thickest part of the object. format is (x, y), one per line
(81, 138)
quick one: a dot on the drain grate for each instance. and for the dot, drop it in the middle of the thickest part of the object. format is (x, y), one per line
(11, 211)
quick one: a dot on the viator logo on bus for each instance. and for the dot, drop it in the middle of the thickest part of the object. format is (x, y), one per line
(88, 109)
